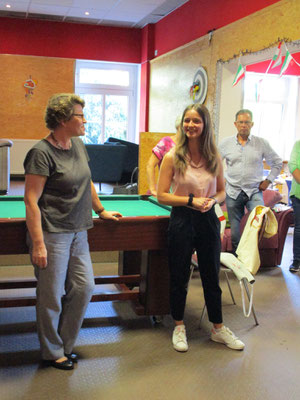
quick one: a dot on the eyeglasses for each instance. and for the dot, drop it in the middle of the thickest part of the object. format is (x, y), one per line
(243, 122)
(79, 115)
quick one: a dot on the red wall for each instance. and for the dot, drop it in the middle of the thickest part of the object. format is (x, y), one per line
(196, 17)
(60, 39)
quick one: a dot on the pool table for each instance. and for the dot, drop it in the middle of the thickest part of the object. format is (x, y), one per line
(140, 237)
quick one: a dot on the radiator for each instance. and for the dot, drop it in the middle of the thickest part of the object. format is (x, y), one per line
(17, 154)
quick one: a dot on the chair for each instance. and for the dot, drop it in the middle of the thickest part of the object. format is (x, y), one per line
(270, 249)
(106, 162)
(243, 275)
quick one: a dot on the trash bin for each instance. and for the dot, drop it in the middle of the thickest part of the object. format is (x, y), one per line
(5, 145)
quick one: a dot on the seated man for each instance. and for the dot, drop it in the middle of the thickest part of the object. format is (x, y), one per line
(244, 155)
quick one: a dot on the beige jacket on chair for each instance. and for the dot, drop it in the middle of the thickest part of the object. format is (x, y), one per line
(247, 250)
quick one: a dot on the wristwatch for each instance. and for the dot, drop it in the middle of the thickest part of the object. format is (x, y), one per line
(190, 202)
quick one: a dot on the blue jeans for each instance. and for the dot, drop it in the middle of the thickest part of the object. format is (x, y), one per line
(64, 289)
(296, 240)
(236, 211)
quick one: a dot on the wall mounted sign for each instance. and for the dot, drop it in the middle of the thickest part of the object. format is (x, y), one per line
(198, 90)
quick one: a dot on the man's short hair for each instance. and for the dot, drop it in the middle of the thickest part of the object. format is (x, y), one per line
(244, 111)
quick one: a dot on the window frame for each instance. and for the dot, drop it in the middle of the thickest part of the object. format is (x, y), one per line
(131, 91)
(285, 141)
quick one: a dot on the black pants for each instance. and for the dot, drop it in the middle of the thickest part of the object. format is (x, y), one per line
(189, 230)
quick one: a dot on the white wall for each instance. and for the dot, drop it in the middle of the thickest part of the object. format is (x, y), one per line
(231, 100)
(17, 154)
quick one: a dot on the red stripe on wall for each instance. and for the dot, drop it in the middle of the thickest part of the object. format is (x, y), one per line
(61, 39)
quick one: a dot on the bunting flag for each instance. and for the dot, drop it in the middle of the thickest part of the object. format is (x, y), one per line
(277, 58)
(288, 58)
(239, 74)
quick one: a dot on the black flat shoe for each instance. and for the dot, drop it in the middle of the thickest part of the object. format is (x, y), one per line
(72, 357)
(65, 365)
(295, 267)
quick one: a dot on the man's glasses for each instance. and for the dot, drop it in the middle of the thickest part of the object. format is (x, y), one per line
(79, 115)
(244, 122)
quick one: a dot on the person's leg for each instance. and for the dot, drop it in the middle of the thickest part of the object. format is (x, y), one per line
(236, 210)
(79, 289)
(179, 253)
(180, 250)
(50, 289)
(255, 200)
(295, 266)
(208, 247)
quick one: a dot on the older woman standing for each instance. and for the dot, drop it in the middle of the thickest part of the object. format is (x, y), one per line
(59, 197)
(194, 170)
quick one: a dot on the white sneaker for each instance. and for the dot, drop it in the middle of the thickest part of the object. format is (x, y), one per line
(228, 338)
(179, 338)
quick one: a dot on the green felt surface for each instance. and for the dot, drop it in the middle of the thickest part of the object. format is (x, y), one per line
(128, 206)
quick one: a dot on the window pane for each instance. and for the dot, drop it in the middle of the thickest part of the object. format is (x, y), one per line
(93, 115)
(116, 117)
(104, 76)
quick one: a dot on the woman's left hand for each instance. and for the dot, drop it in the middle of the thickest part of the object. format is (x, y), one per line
(114, 215)
(209, 204)
(203, 204)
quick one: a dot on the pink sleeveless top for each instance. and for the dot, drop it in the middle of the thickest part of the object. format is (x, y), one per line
(196, 180)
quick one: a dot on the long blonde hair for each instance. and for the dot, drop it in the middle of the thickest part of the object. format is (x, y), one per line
(207, 145)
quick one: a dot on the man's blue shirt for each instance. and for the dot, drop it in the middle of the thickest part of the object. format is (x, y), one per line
(245, 164)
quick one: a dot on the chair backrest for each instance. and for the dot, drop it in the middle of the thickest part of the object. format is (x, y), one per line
(106, 162)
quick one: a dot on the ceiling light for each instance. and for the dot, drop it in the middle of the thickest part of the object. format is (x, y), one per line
(7, 5)
(87, 13)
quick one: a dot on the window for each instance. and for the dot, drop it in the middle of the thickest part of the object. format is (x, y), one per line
(274, 103)
(110, 92)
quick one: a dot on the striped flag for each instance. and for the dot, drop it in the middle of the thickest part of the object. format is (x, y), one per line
(239, 74)
(288, 58)
(277, 58)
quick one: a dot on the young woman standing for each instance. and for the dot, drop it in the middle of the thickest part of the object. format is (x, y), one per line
(193, 171)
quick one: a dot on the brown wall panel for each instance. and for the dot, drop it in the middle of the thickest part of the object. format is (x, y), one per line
(23, 117)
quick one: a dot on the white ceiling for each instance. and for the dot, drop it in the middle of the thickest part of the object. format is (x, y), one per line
(125, 13)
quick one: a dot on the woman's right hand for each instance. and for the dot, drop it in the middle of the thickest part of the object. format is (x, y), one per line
(39, 255)
(200, 203)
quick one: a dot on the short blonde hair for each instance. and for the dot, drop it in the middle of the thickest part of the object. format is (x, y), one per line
(60, 108)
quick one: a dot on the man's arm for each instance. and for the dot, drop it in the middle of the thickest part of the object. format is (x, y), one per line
(273, 160)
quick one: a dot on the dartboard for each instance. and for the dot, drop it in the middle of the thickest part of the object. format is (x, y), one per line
(200, 79)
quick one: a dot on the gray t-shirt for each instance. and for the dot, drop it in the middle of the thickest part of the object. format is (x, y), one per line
(66, 201)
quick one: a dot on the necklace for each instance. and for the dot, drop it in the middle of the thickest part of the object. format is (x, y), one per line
(57, 142)
(193, 164)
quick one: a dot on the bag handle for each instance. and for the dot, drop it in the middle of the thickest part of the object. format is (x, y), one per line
(244, 281)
